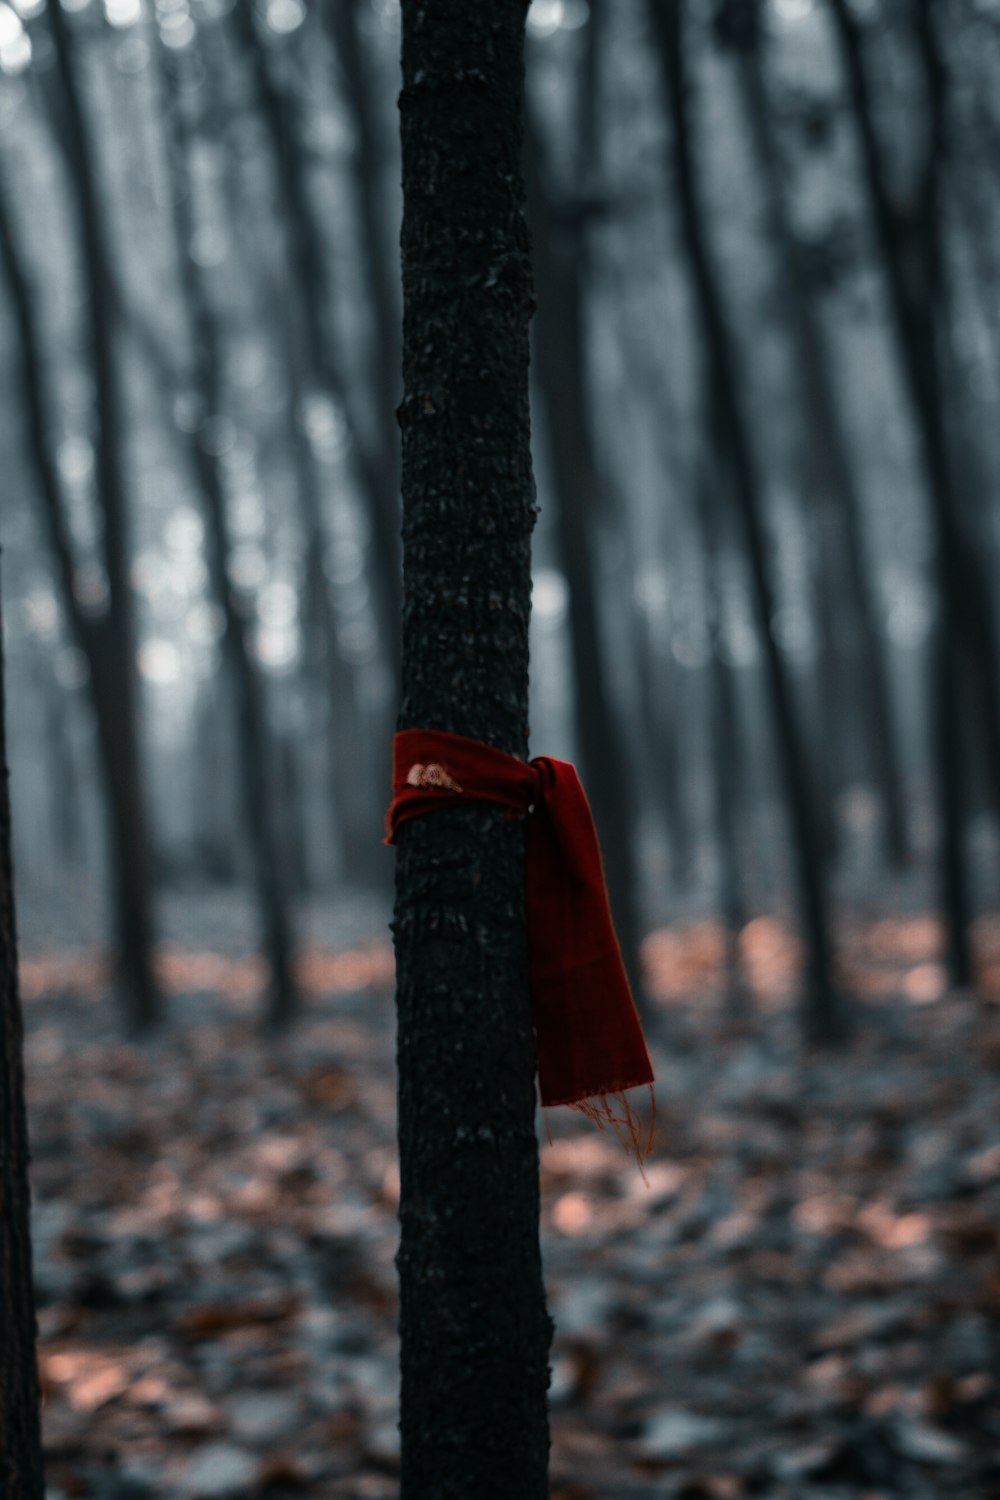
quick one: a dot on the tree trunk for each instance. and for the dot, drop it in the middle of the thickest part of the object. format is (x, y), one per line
(378, 472)
(913, 272)
(257, 754)
(343, 17)
(21, 1475)
(830, 458)
(308, 296)
(99, 638)
(115, 682)
(823, 1006)
(473, 1326)
(347, 734)
(724, 727)
(561, 357)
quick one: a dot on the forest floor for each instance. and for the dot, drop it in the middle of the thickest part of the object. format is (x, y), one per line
(802, 1302)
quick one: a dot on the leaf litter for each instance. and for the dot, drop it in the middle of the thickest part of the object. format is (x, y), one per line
(802, 1303)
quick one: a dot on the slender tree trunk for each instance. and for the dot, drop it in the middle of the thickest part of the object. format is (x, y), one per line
(378, 472)
(930, 314)
(99, 638)
(376, 465)
(359, 770)
(64, 783)
(561, 357)
(115, 682)
(660, 706)
(216, 834)
(257, 754)
(823, 1006)
(21, 1475)
(350, 790)
(913, 270)
(830, 458)
(725, 732)
(377, 238)
(473, 1325)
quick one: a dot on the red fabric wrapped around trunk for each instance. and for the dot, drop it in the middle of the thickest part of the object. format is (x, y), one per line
(589, 1040)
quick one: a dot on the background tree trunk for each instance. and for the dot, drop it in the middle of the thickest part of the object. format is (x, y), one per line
(913, 278)
(21, 1475)
(258, 755)
(561, 361)
(822, 1006)
(114, 677)
(473, 1325)
(829, 463)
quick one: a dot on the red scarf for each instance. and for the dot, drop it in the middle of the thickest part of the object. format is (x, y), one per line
(588, 1038)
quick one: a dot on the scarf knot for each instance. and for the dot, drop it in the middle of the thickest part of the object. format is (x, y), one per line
(589, 1041)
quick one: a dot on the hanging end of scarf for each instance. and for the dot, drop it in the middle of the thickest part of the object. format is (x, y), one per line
(616, 1111)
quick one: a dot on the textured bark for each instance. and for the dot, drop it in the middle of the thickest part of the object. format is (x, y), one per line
(20, 1432)
(473, 1325)
(112, 658)
(823, 1006)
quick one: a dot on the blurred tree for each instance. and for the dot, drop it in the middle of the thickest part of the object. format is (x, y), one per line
(830, 476)
(823, 1012)
(367, 160)
(110, 635)
(658, 672)
(93, 635)
(561, 359)
(21, 1476)
(314, 367)
(712, 499)
(653, 753)
(258, 771)
(473, 1326)
(378, 470)
(912, 260)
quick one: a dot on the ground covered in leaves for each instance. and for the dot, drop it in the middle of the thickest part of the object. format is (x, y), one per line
(803, 1302)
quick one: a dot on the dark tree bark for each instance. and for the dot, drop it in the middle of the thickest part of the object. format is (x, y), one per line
(112, 660)
(21, 1475)
(823, 1005)
(256, 752)
(473, 1325)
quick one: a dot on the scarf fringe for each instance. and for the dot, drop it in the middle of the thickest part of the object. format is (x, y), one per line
(615, 1110)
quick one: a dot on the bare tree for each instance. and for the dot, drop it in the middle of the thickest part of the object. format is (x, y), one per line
(256, 752)
(111, 634)
(21, 1476)
(823, 1006)
(473, 1326)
